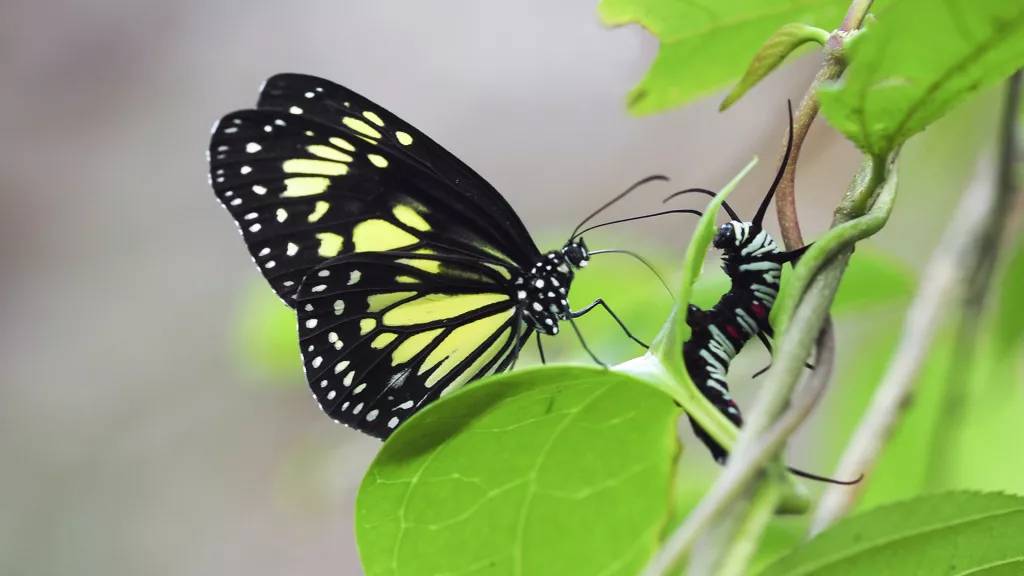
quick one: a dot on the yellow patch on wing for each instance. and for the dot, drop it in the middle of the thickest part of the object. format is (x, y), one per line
(383, 340)
(378, 160)
(494, 252)
(410, 218)
(360, 126)
(366, 325)
(342, 143)
(329, 153)
(413, 345)
(377, 235)
(304, 186)
(431, 266)
(460, 344)
(318, 211)
(378, 302)
(477, 364)
(307, 166)
(433, 307)
(330, 244)
(403, 138)
(406, 280)
(372, 117)
(500, 270)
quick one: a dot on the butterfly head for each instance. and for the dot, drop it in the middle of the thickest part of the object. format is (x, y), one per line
(576, 253)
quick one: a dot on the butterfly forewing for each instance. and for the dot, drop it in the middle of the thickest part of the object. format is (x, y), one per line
(382, 333)
(467, 191)
(303, 193)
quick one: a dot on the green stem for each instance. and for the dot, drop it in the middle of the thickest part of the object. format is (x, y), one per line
(759, 513)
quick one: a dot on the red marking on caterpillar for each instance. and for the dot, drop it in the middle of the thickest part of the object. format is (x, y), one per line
(758, 309)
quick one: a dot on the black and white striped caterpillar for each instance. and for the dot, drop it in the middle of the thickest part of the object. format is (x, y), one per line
(753, 262)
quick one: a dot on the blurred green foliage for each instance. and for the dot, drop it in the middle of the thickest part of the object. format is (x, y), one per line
(568, 473)
(918, 61)
(266, 340)
(950, 533)
(1009, 317)
(707, 46)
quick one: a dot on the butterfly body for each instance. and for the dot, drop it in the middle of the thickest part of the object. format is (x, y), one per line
(541, 294)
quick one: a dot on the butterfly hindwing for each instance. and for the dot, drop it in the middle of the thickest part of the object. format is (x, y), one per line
(383, 333)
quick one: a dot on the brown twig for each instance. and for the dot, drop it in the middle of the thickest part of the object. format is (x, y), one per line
(785, 195)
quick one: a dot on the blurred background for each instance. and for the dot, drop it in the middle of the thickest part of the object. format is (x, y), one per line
(153, 415)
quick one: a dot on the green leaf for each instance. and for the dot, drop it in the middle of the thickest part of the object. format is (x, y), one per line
(707, 46)
(266, 340)
(951, 533)
(917, 62)
(553, 470)
(781, 44)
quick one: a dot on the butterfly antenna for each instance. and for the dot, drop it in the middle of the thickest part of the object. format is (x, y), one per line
(643, 261)
(620, 196)
(778, 175)
(641, 217)
(728, 209)
(824, 479)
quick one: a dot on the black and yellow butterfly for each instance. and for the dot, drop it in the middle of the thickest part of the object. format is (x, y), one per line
(409, 273)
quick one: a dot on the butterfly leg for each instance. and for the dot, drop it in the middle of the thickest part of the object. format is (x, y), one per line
(540, 349)
(603, 304)
(579, 335)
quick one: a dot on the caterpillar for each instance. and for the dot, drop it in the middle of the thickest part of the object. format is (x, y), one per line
(753, 262)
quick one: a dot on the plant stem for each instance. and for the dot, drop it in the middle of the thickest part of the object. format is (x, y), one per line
(735, 479)
(965, 238)
(785, 195)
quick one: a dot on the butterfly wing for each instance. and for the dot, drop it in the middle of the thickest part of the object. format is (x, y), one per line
(383, 333)
(318, 171)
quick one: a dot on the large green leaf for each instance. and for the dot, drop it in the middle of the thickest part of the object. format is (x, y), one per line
(705, 46)
(556, 470)
(921, 58)
(951, 533)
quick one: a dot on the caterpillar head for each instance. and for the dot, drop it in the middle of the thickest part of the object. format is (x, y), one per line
(731, 235)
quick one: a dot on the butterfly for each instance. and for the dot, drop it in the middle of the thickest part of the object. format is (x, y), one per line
(409, 274)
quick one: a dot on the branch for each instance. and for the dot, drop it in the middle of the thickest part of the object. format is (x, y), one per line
(945, 276)
(832, 69)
